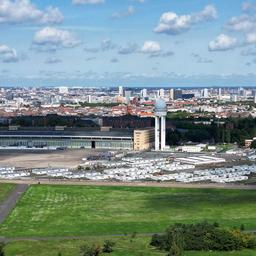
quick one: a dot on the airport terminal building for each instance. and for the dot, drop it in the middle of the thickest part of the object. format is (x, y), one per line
(88, 139)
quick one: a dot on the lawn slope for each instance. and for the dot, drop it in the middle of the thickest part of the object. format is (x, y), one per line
(47, 210)
(124, 246)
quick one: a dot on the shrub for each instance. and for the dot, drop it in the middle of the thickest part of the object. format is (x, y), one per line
(87, 250)
(203, 236)
(2, 245)
(108, 246)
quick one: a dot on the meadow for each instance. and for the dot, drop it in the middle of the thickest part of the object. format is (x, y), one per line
(57, 211)
(124, 246)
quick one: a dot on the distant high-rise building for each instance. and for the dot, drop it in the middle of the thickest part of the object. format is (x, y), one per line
(177, 94)
(242, 92)
(56, 99)
(205, 93)
(89, 98)
(121, 91)
(144, 93)
(171, 94)
(9, 96)
(234, 97)
(128, 95)
(63, 90)
(160, 93)
(220, 92)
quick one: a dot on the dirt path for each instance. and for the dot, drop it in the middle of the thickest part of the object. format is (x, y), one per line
(130, 184)
(61, 238)
(8, 205)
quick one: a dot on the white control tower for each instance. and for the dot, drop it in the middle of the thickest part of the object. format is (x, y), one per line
(160, 127)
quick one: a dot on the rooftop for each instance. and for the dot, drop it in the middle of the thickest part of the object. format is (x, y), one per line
(85, 133)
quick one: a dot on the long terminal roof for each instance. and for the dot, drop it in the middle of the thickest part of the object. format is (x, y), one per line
(126, 134)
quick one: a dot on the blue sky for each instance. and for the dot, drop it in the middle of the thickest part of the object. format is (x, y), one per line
(128, 42)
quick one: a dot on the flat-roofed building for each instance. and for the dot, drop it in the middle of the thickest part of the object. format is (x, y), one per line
(144, 139)
(248, 143)
(127, 139)
(191, 149)
(66, 139)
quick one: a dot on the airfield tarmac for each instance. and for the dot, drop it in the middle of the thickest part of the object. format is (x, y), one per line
(42, 159)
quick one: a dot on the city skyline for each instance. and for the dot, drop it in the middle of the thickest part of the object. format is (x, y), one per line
(96, 43)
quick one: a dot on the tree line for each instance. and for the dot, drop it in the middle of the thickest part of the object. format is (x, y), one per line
(202, 237)
(230, 130)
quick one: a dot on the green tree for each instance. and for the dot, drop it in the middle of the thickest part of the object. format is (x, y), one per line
(253, 145)
(175, 250)
(202, 237)
(2, 245)
(227, 136)
(173, 138)
(90, 250)
(198, 135)
(108, 246)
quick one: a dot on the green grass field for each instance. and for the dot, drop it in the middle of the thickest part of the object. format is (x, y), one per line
(124, 246)
(5, 189)
(84, 210)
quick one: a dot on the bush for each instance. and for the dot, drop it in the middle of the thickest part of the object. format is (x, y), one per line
(203, 236)
(159, 241)
(108, 246)
(175, 250)
(87, 250)
(2, 245)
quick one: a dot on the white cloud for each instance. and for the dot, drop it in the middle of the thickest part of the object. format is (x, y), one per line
(23, 11)
(128, 49)
(8, 54)
(249, 52)
(107, 45)
(161, 54)
(246, 21)
(122, 14)
(151, 47)
(223, 43)
(251, 38)
(79, 2)
(207, 14)
(242, 23)
(248, 7)
(173, 24)
(56, 38)
(201, 60)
